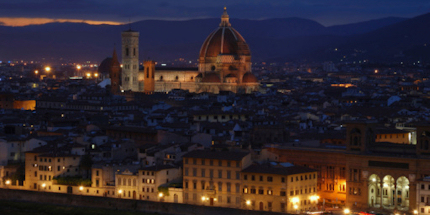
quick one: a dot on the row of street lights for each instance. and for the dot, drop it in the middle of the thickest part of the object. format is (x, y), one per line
(78, 67)
(346, 211)
(47, 69)
(248, 202)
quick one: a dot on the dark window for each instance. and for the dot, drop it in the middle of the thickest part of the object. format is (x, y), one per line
(283, 193)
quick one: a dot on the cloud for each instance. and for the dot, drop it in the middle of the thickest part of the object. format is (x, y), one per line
(23, 21)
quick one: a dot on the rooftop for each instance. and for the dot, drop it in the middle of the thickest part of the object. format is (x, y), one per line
(277, 169)
(220, 155)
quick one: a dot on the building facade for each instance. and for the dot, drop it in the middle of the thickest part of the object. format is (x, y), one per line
(213, 178)
(367, 174)
(268, 187)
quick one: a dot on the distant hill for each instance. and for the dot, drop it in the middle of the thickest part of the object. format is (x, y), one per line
(407, 40)
(364, 27)
(272, 39)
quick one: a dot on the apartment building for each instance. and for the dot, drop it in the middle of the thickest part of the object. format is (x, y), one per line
(212, 178)
(41, 168)
(279, 188)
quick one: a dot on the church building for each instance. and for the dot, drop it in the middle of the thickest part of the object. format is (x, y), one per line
(224, 65)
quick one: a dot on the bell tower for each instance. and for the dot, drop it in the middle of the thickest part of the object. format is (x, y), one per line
(130, 60)
(149, 81)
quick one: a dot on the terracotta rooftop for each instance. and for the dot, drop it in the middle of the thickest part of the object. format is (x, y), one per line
(219, 155)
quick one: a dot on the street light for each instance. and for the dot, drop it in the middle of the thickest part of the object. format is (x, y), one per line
(248, 202)
(314, 198)
(415, 211)
(78, 67)
(8, 182)
(88, 75)
(96, 75)
(119, 193)
(36, 72)
(295, 200)
(47, 68)
(160, 195)
(346, 211)
(81, 188)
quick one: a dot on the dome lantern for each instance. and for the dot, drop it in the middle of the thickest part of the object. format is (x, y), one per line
(225, 19)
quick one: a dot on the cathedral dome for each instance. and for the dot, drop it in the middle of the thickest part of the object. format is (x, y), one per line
(104, 66)
(249, 78)
(224, 40)
(211, 78)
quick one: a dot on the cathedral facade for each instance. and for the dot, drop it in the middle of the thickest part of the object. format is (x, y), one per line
(224, 65)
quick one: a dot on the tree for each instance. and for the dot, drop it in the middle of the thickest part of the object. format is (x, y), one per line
(86, 164)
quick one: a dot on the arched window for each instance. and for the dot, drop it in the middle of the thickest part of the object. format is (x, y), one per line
(355, 142)
(126, 51)
(147, 72)
(213, 68)
(161, 78)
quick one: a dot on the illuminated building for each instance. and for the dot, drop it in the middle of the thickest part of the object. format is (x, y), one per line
(224, 65)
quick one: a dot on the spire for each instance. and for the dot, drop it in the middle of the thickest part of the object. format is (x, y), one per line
(225, 19)
(115, 61)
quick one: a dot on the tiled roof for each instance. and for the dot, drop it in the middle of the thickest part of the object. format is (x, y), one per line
(277, 170)
(220, 155)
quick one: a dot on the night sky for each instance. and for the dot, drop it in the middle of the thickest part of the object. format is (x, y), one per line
(326, 12)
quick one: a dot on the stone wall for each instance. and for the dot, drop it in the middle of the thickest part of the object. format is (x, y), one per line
(122, 204)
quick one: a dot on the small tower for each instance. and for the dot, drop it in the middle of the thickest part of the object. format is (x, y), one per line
(115, 73)
(130, 60)
(149, 81)
(360, 135)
